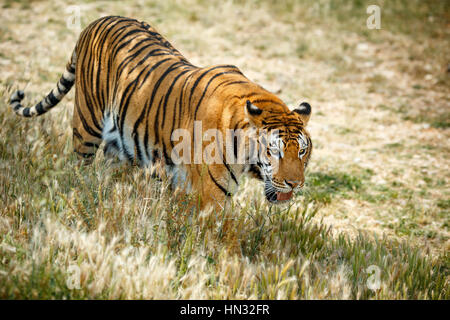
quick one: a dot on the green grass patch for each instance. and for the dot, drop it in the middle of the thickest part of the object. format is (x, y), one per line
(322, 187)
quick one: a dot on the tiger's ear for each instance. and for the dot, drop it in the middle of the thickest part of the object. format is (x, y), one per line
(252, 112)
(304, 112)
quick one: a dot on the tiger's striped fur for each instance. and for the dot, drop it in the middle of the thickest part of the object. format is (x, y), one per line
(133, 89)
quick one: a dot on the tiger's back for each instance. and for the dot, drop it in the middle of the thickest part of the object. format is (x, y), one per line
(123, 66)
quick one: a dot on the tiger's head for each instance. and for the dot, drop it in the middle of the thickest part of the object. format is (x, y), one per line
(285, 147)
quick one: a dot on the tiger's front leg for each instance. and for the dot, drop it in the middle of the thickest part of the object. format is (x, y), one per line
(217, 185)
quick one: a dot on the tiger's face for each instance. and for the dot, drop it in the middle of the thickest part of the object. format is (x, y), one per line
(286, 149)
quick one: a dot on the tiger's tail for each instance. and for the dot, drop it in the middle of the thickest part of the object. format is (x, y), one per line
(63, 86)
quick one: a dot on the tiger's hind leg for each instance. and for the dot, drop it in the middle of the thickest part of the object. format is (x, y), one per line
(86, 139)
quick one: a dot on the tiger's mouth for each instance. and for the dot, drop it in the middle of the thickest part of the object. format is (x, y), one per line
(274, 196)
(281, 196)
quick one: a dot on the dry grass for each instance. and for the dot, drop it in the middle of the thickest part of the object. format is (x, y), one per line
(377, 190)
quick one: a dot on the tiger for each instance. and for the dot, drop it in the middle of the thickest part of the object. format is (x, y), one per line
(133, 90)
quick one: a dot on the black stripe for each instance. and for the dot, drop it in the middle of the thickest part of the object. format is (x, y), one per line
(256, 171)
(146, 111)
(149, 105)
(92, 70)
(138, 147)
(77, 134)
(123, 107)
(66, 83)
(104, 32)
(88, 89)
(155, 124)
(136, 125)
(90, 144)
(97, 36)
(182, 94)
(235, 82)
(225, 191)
(235, 136)
(141, 42)
(248, 95)
(173, 120)
(130, 58)
(61, 89)
(206, 89)
(125, 43)
(169, 91)
(156, 65)
(223, 83)
(70, 69)
(53, 100)
(150, 54)
(167, 159)
(155, 155)
(26, 112)
(127, 153)
(86, 126)
(124, 26)
(230, 171)
(104, 36)
(117, 34)
(235, 146)
(198, 81)
(266, 100)
(84, 155)
(40, 108)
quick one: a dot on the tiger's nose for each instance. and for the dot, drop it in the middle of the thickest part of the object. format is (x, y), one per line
(292, 183)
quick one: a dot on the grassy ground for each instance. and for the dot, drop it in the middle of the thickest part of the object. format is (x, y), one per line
(377, 188)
